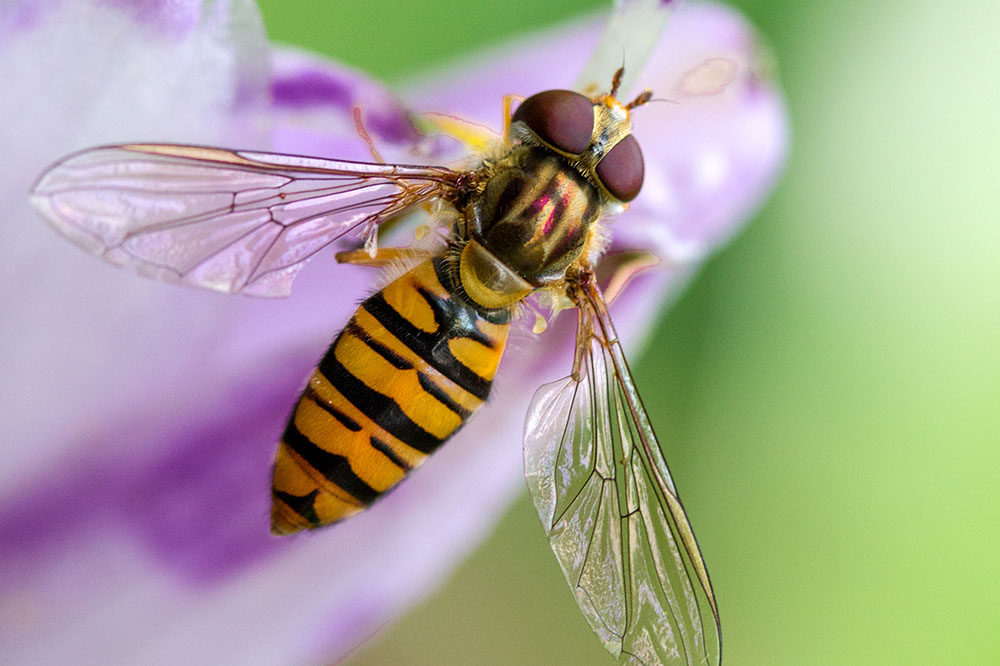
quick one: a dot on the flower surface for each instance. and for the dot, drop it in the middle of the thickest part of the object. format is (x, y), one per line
(140, 419)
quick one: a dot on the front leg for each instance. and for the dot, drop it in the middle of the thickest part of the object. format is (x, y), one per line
(616, 270)
(508, 103)
(383, 256)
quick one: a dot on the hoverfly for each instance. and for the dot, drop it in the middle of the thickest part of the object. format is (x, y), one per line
(418, 357)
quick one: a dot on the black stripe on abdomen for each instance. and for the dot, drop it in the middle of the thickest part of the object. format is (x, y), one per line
(335, 468)
(387, 451)
(435, 392)
(432, 347)
(304, 505)
(394, 359)
(381, 409)
(345, 420)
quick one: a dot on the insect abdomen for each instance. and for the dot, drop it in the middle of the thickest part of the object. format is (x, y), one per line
(410, 367)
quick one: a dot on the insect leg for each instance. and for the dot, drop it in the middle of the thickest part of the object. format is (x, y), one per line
(618, 268)
(475, 137)
(508, 103)
(383, 256)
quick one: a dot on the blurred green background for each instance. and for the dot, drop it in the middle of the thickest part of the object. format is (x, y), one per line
(833, 376)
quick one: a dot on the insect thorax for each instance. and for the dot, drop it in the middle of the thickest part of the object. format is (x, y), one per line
(531, 221)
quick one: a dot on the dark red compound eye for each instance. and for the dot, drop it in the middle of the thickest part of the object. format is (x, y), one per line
(562, 118)
(622, 170)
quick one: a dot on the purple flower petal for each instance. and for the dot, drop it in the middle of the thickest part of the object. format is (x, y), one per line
(174, 18)
(61, 93)
(142, 417)
(313, 106)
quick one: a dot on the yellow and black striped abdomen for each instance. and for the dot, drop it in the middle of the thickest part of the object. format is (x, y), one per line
(410, 367)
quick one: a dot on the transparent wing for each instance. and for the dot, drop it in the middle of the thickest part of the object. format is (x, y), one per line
(630, 37)
(609, 506)
(628, 40)
(233, 221)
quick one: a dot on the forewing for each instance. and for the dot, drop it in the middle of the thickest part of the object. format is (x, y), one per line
(605, 497)
(233, 221)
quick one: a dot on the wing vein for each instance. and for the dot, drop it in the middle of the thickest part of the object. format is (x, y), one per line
(629, 553)
(199, 215)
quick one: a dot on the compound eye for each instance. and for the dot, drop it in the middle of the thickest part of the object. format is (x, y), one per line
(561, 118)
(622, 170)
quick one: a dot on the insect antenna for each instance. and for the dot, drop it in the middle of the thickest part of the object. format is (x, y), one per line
(662, 99)
(642, 98)
(616, 80)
